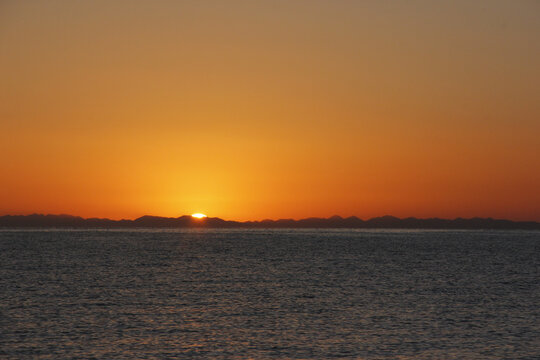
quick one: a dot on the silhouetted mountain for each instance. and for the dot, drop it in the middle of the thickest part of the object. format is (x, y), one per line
(186, 221)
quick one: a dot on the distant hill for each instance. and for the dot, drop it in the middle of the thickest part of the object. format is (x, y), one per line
(186, 221)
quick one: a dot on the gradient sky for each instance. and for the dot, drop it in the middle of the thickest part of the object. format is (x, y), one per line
(270, 109)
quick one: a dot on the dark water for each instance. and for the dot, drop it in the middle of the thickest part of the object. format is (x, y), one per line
(270, 294)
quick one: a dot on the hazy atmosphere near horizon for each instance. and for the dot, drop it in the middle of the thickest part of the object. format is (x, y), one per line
(270, 109)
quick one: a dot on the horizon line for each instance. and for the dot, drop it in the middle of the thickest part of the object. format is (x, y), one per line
(272, 219)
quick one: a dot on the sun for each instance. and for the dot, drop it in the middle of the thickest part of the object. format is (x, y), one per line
(198, 216)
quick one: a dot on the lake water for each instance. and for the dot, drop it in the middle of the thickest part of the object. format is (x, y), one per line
(270, 294)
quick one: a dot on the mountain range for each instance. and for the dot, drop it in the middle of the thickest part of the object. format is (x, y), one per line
(186, 221)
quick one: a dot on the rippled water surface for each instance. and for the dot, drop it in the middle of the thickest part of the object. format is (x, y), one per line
(270, 294)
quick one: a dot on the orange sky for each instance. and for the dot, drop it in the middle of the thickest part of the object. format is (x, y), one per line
(270, 109)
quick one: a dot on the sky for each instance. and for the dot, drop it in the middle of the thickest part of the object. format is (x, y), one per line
(249, 110)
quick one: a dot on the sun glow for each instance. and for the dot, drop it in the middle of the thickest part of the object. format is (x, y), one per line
(198, 216)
